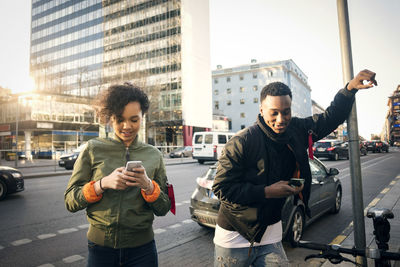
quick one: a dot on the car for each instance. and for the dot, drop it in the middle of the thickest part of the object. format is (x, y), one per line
(326, 196)
(332, 149)
(207, 146)
(363, 148)
(377, 146)
(181, 152)
(11, 181)
(67, 161)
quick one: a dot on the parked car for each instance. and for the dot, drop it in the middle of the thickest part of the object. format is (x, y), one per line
(11, 181)
(377, 146)
(181, 152)
(209, 145)
(67, 161)
(326, 196)
(332, 149)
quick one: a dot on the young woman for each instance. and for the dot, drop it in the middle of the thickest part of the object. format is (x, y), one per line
(120, 204)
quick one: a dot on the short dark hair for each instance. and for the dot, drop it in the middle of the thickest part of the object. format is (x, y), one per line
(116, 97)
(275, 89)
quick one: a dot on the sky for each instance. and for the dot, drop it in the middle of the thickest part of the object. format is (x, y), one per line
(305, 31)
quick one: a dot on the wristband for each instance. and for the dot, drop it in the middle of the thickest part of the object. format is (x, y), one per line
(101, 186)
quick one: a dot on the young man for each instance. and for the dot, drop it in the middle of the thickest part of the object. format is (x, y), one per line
(254, 169)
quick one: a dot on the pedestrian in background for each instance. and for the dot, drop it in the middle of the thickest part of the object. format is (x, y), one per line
(120, 204)
(255, 167)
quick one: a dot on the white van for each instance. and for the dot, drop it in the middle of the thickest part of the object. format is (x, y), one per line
(209, 145)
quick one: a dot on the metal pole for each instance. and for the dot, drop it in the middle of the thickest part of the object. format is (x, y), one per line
(16, 134)
(355, 167)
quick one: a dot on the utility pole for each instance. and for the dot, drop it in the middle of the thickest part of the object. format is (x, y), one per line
(16, 133)
(355, 167)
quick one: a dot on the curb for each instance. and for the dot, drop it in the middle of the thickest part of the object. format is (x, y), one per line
(59, 173)
(347, 232)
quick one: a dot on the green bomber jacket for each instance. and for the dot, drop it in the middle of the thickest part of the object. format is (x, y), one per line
(122, 218)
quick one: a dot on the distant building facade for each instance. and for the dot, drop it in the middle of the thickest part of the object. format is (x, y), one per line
(316, 108)
(236, 91)
(81, 47)
(393, 118)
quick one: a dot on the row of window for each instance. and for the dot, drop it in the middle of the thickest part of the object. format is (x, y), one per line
(229, 102)
(241, 76)
(241, 90)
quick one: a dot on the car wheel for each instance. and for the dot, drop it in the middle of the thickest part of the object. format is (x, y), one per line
(69, 167)
(387, 150)
(200, 161)
(365, 152)
(182, 155)
(338, 201)
(3, 190)
(296, 227)
(336, 157)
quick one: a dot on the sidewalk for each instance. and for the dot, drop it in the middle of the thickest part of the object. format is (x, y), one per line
(27, 167)
(389, 198)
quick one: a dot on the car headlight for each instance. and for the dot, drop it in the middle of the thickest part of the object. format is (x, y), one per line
(16, 174)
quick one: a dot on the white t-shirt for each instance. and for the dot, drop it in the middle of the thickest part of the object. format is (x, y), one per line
(232, 239)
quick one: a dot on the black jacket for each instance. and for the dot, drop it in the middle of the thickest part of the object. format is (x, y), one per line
(247, 164)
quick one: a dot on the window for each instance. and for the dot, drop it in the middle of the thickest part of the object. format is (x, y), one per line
(242, 101)
(255, 100)
(242, 115)
(221, 139)
(255, 88)
(241, 89)
(241, 77)
(215, 92)
(254, 75)
(228, 103)
(228, 79)
(228, 91)
(216, 105)
(215, 80)
(208, 139)
(198, 139)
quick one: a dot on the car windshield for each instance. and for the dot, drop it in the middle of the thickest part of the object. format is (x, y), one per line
(210, 174)
(323, 144)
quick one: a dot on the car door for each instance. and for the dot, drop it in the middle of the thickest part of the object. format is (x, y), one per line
(327, 187)
(315, 203)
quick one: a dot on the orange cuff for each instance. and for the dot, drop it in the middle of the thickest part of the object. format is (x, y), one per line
(90, 194)
(153, 196)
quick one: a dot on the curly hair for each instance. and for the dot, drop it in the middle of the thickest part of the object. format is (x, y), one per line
(116, 97)
(275, 89)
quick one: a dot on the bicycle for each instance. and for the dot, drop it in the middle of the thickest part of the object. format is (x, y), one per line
(380, 255)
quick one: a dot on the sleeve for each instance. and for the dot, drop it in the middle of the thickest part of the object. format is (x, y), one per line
(162, 204)
(74, 197)
(338, 111)
(230, 182)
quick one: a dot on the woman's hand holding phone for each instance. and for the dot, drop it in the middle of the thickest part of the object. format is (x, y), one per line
(136, 176)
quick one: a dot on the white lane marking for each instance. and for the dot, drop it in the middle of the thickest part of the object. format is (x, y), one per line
(159, 231)
(72, 258)
(45, 236)
(178, 204)
(363, 168)
(46, 265)
(1, 247)
(175, 226)
(67, 230)
(186, 201)
(21, 242)
(84, 226)
(188, 221)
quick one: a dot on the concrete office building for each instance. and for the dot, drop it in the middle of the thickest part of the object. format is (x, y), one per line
(236, 90)
(81, 47)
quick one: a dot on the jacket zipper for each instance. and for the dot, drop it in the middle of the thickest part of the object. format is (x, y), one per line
(118, 238)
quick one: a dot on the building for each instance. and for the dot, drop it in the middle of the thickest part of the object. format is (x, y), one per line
(45, 123)
(81, 47)
(316, 108)
(393, 118)
(236, 90)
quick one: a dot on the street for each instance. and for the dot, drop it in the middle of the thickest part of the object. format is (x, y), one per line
(37, 230)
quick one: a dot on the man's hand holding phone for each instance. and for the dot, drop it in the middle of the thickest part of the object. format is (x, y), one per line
(284, 188)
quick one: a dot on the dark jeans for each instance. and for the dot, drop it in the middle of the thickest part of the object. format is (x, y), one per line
(145, 256)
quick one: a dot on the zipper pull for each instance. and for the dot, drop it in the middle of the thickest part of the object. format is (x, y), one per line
(127, 154)
(310, 145)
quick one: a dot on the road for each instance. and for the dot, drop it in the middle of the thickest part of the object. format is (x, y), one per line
(37, 230)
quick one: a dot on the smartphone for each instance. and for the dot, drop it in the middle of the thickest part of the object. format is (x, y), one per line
(296, 182)
(133, 164)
